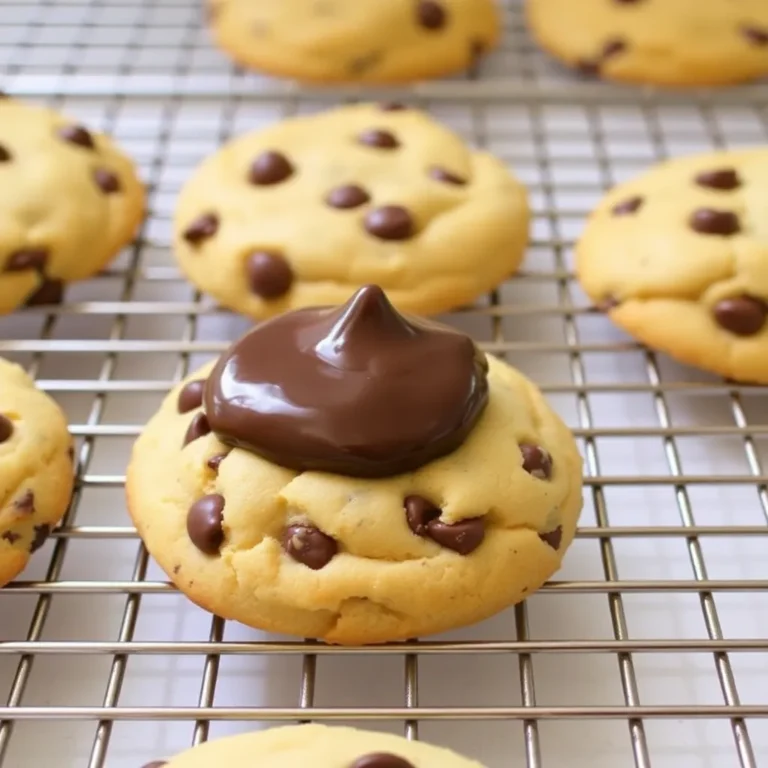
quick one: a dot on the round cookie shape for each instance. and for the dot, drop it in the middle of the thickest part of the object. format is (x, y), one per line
(70, 201)
(345, 41)
(36, 468)
(316, 745)
(675, 43)
(374, 195)
(346, 558)
(679, 258)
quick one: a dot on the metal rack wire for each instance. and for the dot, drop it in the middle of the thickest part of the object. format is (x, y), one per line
(650, 648)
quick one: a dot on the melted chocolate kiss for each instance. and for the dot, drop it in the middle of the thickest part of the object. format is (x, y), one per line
(358, 390)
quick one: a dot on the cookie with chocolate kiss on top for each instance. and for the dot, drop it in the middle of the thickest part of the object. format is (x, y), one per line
(356, 475)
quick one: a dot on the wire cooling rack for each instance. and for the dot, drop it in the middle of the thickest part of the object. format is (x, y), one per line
(651, 646)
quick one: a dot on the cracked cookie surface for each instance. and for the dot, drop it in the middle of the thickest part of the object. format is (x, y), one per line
(36, 468)
(679, 258)
(352, 560)
(69, 201)
(662, 42)
(308, 210)
(379, 41)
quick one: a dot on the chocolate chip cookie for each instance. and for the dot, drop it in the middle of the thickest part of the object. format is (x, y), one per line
(69, 201)
(679, 258)
(36, 468)
(378, 41)
(319, 746)
(663, 42)
(307, 211)
(356, 475)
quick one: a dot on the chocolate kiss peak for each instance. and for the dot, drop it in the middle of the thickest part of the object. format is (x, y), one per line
(358, 390)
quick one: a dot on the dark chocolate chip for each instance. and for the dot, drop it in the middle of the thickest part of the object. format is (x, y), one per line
(27, 258)
(309, 546)
(626, 207)
(5, 155)
(198, 427)
(270, 168)
(269, 274)
(724, 179)
(202, 228)
(613, 48)
(391, 222)
(106, 181)
(11, 537)
(392, 106)
(214, 462)
(42, 532)
(25, 503)
(419, 513)
(48, 292)
(71, 452)
(553, 538)
(6, 428)
(379, 139)
(440, 174)
(742, 315)
(708, 221)
(755, 35)
(176, 569)
(76, 134)
(191, 396)
(348, 196)
(536, 461)
(463, 537)
(589, 67)
(607, 304)
(431, 14)
(476, 50)
(204, 523)
(381, 760)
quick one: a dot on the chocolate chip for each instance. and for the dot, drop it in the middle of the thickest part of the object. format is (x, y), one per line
(553, 538)
(742, 315)
(270, 168)
(431, 15)
(269, 274)
(48, 292)
(607, 304)
(613, 48)
(392, 106)
(463, 537)
(536, 461)
(71, 452)
(419, 513)
(626, 207)
(42, 532)
(198, 427)
(5, 155)
(76, 134)
(6, 428)
(191, 396)
(309, 546)
(391, 222)
(723, 178)
(214, 462)
(755, 35)
(26, 258)
(440, 174)
(381, 760)
(11, 537)
(476, 50)
(204, 523)
(379, 139)
(708, 221)
(365, 63)
(106, 181)
(589, 67)
(348, 196)
(25, 503)
(202, 228)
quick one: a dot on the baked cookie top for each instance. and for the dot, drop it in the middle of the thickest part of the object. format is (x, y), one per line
(378, 41)
(664, 42)
(317, 745)
(36, 472)
(308, 210)
(69, 200)
(231, 488)
(679, 257)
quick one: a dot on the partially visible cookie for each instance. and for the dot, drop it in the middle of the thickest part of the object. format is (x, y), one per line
(679, 258)
(376, 41)
(662, 42)
(69, 201)
(305, 212)
(36, 468)
(318, 746)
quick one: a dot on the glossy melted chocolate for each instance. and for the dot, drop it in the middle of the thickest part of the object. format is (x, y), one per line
(358, 390)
